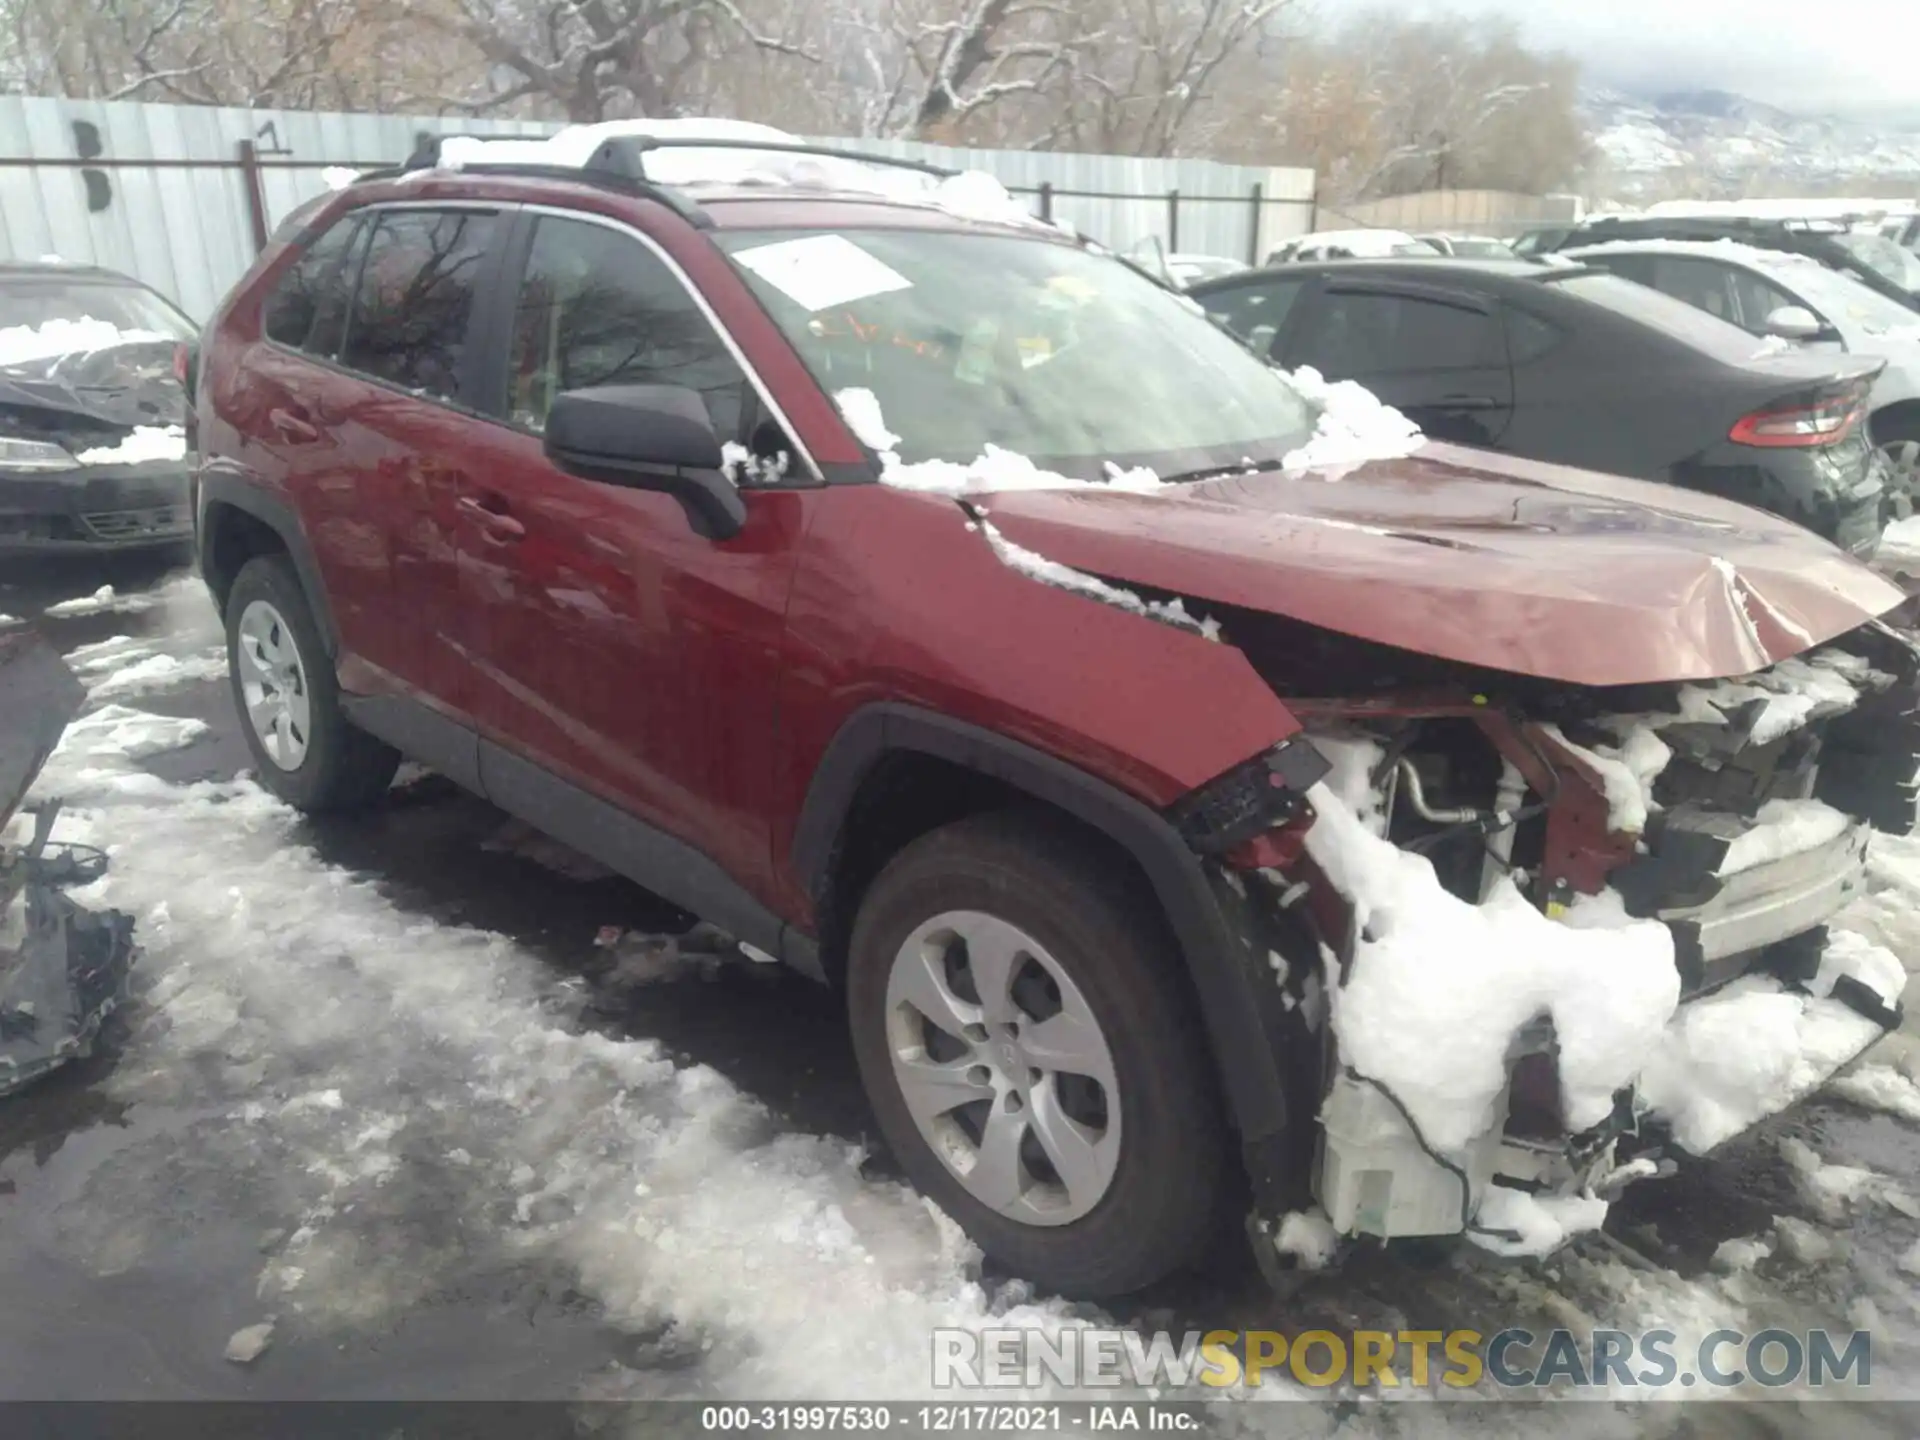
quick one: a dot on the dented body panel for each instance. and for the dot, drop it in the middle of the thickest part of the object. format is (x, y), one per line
(1506, 564)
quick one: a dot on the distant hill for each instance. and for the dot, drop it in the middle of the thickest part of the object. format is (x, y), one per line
(1711, 142)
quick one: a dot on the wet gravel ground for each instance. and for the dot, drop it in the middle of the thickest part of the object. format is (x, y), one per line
(156, 1198)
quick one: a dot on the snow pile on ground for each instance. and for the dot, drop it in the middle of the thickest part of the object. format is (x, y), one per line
(56, 339)
(101, 602)
(1742, 1253)
(114, 730)
(1543, 1222)
(1756, 1046)
(1065, 577)
(154, 673)
(1900, 543)
(1879, 1087)
(1355, 426)
(1835, 1191)
(146, 443)
(1439, 988)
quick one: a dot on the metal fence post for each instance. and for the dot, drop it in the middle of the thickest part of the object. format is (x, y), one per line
(1258, 207)
(256, 195)
(1046, 201)
(1173, 221)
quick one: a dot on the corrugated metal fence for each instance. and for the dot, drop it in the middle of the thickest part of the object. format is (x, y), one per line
(181, 195)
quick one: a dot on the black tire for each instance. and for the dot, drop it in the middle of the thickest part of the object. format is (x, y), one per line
(1899, 440)
(343, 768)
(1054, 883)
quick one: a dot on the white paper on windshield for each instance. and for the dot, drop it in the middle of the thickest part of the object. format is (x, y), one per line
(822, 271)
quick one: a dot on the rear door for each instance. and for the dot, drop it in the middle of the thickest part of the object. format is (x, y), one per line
(399, 414)
(1437, 354)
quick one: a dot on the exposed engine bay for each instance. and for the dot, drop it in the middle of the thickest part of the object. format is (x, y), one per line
(1555, 887)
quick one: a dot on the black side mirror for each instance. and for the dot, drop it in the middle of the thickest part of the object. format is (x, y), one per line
(651, 437)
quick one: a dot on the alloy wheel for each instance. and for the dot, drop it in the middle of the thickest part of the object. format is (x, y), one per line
(1004, 1068)
(273, 685)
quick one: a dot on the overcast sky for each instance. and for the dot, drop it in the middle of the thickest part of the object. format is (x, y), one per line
(1854, 57)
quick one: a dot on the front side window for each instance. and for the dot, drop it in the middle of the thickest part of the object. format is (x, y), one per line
(415, 296)
(596, 307)
(1034, 346)
(1360, 332)
(319, 281)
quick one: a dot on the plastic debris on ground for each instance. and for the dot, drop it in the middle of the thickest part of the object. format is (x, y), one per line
(63, 967)
(631, 960)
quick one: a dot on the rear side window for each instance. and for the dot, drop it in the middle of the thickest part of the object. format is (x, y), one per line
(1256, 312)
(1361, 332)
(1662, 313)
(415, 298)
(1528, 336)
(318, 283)
(597, 307)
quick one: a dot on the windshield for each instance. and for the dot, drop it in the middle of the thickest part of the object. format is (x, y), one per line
(52, 324)
(1844, 301)
(1881, 254)
(1042, 348)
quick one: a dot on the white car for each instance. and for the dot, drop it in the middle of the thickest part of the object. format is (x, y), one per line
(1352, 245)
(1191, 269)
(1785, 298)
(1469, 247)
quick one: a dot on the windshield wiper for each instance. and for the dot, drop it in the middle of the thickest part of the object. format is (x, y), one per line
(1215, 472)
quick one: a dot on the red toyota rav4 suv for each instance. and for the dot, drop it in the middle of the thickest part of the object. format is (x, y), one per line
(938, 604)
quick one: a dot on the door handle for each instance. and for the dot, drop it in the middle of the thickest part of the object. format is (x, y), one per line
(292, 428)
(1467, 402)
(496, 525)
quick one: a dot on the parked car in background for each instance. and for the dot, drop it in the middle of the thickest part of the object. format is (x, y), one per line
(1785, 297)
(933, 602)
(1188, 270)
(1470, 247)
(1866, 255)
(1567, 363)
(92, 405)
(1352, 245)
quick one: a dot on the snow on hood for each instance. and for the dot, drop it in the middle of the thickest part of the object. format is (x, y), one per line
(1355, 426)
(57, 339)
(146, 443)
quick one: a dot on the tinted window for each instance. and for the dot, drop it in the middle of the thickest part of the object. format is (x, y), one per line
(1528, 336)
(1670, 317)
(318, 280)
(598, 308)
(415, 295)
(1256, 312)
(1358, 332)
(1756, 299)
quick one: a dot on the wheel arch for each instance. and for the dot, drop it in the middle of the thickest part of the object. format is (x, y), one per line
(1905, 413)
(1219, 960)
(236, 522)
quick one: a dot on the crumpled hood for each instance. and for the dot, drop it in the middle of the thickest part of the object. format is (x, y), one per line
(127, 386)
(1487, 560)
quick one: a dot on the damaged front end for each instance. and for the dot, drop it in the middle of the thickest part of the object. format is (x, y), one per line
(1533, 937)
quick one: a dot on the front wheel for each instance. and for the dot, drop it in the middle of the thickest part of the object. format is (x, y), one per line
(304, 749)
(1033, 1054)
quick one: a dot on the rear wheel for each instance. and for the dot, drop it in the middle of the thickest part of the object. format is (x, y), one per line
(304, 749)
(1899, 445)
(1033, 1054)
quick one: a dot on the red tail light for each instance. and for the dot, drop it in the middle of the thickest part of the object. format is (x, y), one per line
(1826, 421)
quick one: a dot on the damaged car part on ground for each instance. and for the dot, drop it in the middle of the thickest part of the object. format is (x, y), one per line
(63, 967)
(966, 621)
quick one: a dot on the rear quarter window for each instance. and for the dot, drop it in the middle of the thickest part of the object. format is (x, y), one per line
(316, 284)
(1674, 319)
